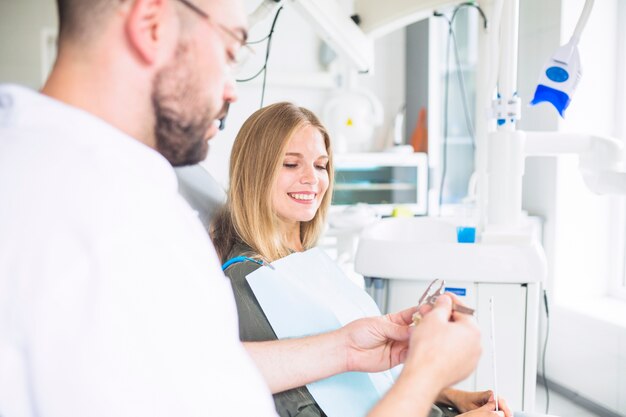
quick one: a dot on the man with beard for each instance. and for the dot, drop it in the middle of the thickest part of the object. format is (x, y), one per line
(112, 301)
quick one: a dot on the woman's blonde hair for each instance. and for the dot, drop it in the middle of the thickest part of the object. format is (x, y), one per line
(255, 161)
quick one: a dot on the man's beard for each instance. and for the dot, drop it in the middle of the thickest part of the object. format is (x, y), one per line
(181, 121)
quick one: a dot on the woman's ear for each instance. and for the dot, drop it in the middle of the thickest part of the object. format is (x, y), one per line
(145, 28)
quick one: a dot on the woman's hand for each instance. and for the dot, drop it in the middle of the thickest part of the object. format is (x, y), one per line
(466, 401)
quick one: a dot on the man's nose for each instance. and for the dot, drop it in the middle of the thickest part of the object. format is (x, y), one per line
(230, 90)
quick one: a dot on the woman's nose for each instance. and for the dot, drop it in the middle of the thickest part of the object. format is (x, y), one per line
(309, 176)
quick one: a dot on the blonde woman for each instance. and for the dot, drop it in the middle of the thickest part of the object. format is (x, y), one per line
(280, 185)
(281, 175)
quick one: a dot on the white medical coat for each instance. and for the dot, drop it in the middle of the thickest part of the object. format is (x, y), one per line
(112, 300)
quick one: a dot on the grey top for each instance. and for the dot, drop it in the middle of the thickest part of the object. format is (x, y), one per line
(254, 327)
(201, 191)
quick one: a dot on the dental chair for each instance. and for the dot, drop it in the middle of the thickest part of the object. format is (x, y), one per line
(201, 191)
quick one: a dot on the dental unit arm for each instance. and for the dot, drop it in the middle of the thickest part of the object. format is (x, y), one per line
(353, 42)
(331, 24)
(602, 159)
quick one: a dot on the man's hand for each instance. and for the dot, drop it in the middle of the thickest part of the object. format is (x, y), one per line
(444, 349)
(370, 344)
(446, 342)
(375, 344)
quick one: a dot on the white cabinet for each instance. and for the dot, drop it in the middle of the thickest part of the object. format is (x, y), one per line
(516, 308)
(400, 257)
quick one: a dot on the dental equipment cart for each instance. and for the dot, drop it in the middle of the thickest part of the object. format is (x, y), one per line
(399, 257)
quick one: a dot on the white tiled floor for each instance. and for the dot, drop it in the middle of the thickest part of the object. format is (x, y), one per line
(559, 405)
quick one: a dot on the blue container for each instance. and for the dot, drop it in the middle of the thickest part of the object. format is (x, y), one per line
(466, 234)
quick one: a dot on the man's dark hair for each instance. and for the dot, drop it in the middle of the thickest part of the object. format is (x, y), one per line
(79, 19)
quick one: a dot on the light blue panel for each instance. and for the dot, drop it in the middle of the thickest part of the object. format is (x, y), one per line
(350, 394)
(308, 294)
(288, 306)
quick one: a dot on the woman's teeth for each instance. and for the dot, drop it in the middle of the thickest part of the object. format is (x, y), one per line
(307, 197)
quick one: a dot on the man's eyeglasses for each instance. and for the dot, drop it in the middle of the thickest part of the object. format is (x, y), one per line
(243, 52)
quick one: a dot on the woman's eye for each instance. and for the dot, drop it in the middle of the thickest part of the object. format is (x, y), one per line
(289, 165)
(321, 167)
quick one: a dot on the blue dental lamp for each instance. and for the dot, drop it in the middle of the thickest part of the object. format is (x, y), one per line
(562, 72)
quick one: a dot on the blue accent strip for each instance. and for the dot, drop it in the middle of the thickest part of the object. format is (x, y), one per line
(559, 99)
(238, 259)
(461, 292)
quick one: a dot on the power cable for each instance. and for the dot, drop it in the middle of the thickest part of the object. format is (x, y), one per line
(468, 121)
(545, 348)
(267, 56)
(444, 164)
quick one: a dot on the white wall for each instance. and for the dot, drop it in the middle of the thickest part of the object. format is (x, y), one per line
(294, 57)
(293, 54)
(587, 350)
(21, 26)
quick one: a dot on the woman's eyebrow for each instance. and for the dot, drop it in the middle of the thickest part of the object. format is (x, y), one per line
(299, 155)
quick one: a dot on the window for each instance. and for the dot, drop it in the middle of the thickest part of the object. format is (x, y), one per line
(618, 284)
(48, 51)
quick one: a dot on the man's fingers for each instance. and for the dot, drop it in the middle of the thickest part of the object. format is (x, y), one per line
(403, 354)
(455, 298)
(442, 308)
(394, 331)
(425, 309)
(404, 317)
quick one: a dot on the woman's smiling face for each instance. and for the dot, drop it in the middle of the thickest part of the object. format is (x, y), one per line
(303, 177)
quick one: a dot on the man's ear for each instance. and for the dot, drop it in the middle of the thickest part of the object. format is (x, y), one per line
(145, 28)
